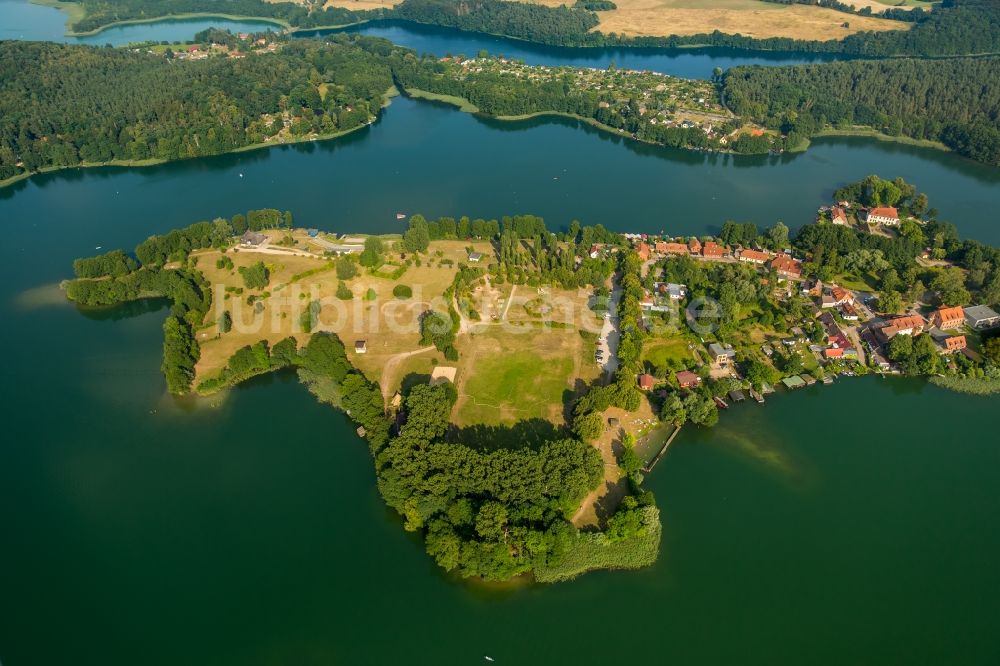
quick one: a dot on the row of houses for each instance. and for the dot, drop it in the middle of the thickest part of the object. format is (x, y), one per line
(783, 264)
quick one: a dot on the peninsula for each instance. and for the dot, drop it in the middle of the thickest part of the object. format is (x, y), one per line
(515, 384)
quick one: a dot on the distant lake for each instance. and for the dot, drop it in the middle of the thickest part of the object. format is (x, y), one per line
(686, 62)
(19, 19)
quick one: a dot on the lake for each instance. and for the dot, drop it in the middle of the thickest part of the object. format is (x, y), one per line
(21, 20)
(844, 524)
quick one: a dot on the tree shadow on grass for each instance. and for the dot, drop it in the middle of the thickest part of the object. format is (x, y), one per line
(411, 380)
(530, 433)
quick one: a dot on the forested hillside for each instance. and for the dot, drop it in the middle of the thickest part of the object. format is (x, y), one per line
(535, 23)
(956, 101)
(64, 105)
(103, 12)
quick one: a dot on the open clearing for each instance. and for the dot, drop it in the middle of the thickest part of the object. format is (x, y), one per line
(506, 376)
(753, 18)
(388, 325)
(667, 352)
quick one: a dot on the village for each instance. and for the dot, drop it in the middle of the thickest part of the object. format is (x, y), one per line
(643, 96)
(220, 43)
(843, 332)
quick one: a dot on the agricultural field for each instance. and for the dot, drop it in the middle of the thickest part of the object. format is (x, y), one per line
(752, 18)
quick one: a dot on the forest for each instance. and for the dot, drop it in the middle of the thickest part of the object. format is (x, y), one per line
(63, 105)
(100, 13)
(955, 101)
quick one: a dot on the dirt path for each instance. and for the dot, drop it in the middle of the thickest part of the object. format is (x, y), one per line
(607, 495)
(510, 299)
(389, 369)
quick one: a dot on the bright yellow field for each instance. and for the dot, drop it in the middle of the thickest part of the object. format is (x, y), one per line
(753, 18)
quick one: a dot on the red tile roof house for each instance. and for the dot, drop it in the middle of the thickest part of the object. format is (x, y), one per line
(945, 318)
(848, 312)
(643, 250)
(694, 246)
(836, 296)
(786, 266)
(885, 216)
(754, 257)
(687, 379)
(647, 382)
(672, 248)
(713, 250)
(954, 343)
(838, 215)
(905, 325)
(833, 352)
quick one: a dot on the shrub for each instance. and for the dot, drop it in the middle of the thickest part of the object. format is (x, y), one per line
(402, 291)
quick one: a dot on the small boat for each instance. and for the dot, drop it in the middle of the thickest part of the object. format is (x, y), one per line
(757, 396)
(400, 216)
(488, 658)
(241, 175)
(721, 403)
(98, 247)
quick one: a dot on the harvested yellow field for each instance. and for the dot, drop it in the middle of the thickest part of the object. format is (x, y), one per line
(753, 18)
(359, 5)
(356, 5)
(877, 6)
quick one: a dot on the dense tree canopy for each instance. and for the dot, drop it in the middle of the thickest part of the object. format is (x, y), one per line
(956, 101)
(63, 105)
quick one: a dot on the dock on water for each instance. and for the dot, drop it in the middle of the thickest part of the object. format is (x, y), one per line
(663, 450)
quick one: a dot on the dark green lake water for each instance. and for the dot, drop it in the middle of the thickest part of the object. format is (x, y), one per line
(844, 524)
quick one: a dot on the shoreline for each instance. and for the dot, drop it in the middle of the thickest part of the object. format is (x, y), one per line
(465, 106)
(154, 161)
(878, 136)
(75, 13)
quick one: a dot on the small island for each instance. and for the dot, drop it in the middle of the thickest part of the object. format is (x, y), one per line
(515, 384)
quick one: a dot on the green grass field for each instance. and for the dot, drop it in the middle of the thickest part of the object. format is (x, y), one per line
(505, 378)
(664, 351)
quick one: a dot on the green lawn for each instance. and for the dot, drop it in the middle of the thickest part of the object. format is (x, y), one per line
(851, 282)
(512, 379)
(662, 351)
